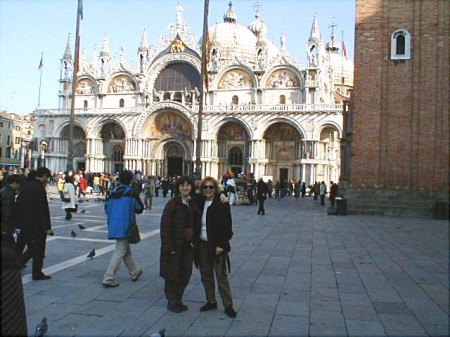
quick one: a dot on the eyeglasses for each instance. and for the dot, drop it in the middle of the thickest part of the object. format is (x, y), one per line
(208, 187)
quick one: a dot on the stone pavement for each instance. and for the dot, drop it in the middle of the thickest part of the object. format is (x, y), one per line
(294, 272)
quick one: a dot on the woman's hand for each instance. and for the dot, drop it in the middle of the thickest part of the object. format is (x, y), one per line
(219, 250)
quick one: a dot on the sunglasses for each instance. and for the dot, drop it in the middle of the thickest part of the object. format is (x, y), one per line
(208, 187)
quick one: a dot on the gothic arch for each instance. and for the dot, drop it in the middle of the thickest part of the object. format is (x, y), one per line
(156, 67)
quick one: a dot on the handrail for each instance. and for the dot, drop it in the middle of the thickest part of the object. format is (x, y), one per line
(212, 109)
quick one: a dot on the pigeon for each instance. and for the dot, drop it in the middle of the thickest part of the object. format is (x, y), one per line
(80, 201)
(80, 226)
(73, 234)
(91, 253)
(161, 333)
(41, 328)
(83, 211)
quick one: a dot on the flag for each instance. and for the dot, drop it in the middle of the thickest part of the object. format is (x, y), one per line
(80, 9)
(344, 49)
(41, 64)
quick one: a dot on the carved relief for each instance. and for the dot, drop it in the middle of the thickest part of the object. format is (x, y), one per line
(283, 79)
(121, 84)
(85, 87)
(235, 79)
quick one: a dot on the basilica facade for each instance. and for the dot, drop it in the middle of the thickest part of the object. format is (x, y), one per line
(262, 112)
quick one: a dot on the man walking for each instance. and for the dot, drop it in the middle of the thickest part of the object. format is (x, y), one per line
(34, 222)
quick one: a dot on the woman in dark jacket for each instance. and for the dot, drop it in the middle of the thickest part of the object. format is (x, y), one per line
(212, 235)
(177, 255)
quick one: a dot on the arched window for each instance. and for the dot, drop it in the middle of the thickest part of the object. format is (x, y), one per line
(400, 45)
(282, 99)
(235, 156)
(85, 104)
(121, 103)
(235, 100)
(117, 154)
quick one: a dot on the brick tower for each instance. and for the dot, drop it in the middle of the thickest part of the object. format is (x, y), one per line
(396, 142)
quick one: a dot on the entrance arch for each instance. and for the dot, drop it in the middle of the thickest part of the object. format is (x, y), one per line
(174, 155)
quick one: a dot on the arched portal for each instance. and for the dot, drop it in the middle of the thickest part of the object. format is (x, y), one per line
(283, 148)
(174, 155)
(233, 148)
(113, 143)
(79, 146)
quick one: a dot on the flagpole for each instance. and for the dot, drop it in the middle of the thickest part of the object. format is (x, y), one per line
(41, 65)
(70, 154)
(203, 88)
(342, 63)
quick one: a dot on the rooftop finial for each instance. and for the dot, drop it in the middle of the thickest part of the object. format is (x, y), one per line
(179, 20)
(257, 5)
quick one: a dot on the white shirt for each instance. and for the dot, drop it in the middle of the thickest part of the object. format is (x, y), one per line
(204, 234)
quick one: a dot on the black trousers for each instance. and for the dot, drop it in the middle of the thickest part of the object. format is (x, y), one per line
(261, 209)
(35, 243)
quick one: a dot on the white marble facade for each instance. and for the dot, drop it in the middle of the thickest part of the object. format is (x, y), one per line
(263, 112)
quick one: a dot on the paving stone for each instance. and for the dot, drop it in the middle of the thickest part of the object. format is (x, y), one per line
(306, 275)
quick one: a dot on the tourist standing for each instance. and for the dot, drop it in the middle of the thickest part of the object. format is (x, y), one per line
(177, 255)
(9, 209)
(212, 241)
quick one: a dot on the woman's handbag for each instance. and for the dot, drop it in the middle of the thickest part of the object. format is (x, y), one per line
(133, 234)
(65, 196)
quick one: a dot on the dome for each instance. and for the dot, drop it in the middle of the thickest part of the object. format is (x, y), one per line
(333, 45)
(233, 38)
(341, 66)
(257, 25)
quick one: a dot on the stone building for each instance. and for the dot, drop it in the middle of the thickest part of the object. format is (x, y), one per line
(396, 137)
(16, 135)
(263, 112)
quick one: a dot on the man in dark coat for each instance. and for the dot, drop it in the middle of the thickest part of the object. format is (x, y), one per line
(261, 195)
(9, 209)
(34, 222)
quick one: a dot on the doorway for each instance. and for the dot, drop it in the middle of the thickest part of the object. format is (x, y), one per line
(284, 174)
(174, 166)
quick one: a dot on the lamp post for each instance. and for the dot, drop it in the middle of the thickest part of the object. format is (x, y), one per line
(44, 145)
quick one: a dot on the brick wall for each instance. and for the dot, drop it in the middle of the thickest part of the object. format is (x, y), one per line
(400, 109)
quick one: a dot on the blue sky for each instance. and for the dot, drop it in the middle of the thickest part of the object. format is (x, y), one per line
(31, 27)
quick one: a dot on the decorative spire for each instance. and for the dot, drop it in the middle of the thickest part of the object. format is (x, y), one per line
(143, 46)
(179, 20)
(68, 52)
(230, 15)
(105, 48)
(315, 33)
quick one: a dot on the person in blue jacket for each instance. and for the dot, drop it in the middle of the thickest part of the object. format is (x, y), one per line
(121, 210)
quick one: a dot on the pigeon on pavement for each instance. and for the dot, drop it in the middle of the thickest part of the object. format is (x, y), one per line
(83, 211)
(91, 253)
(80, 226)
(73, 234)
(161, 333)
(41, 328)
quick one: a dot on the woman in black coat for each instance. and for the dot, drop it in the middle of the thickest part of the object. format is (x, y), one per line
(212, 242)
(176, 259)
